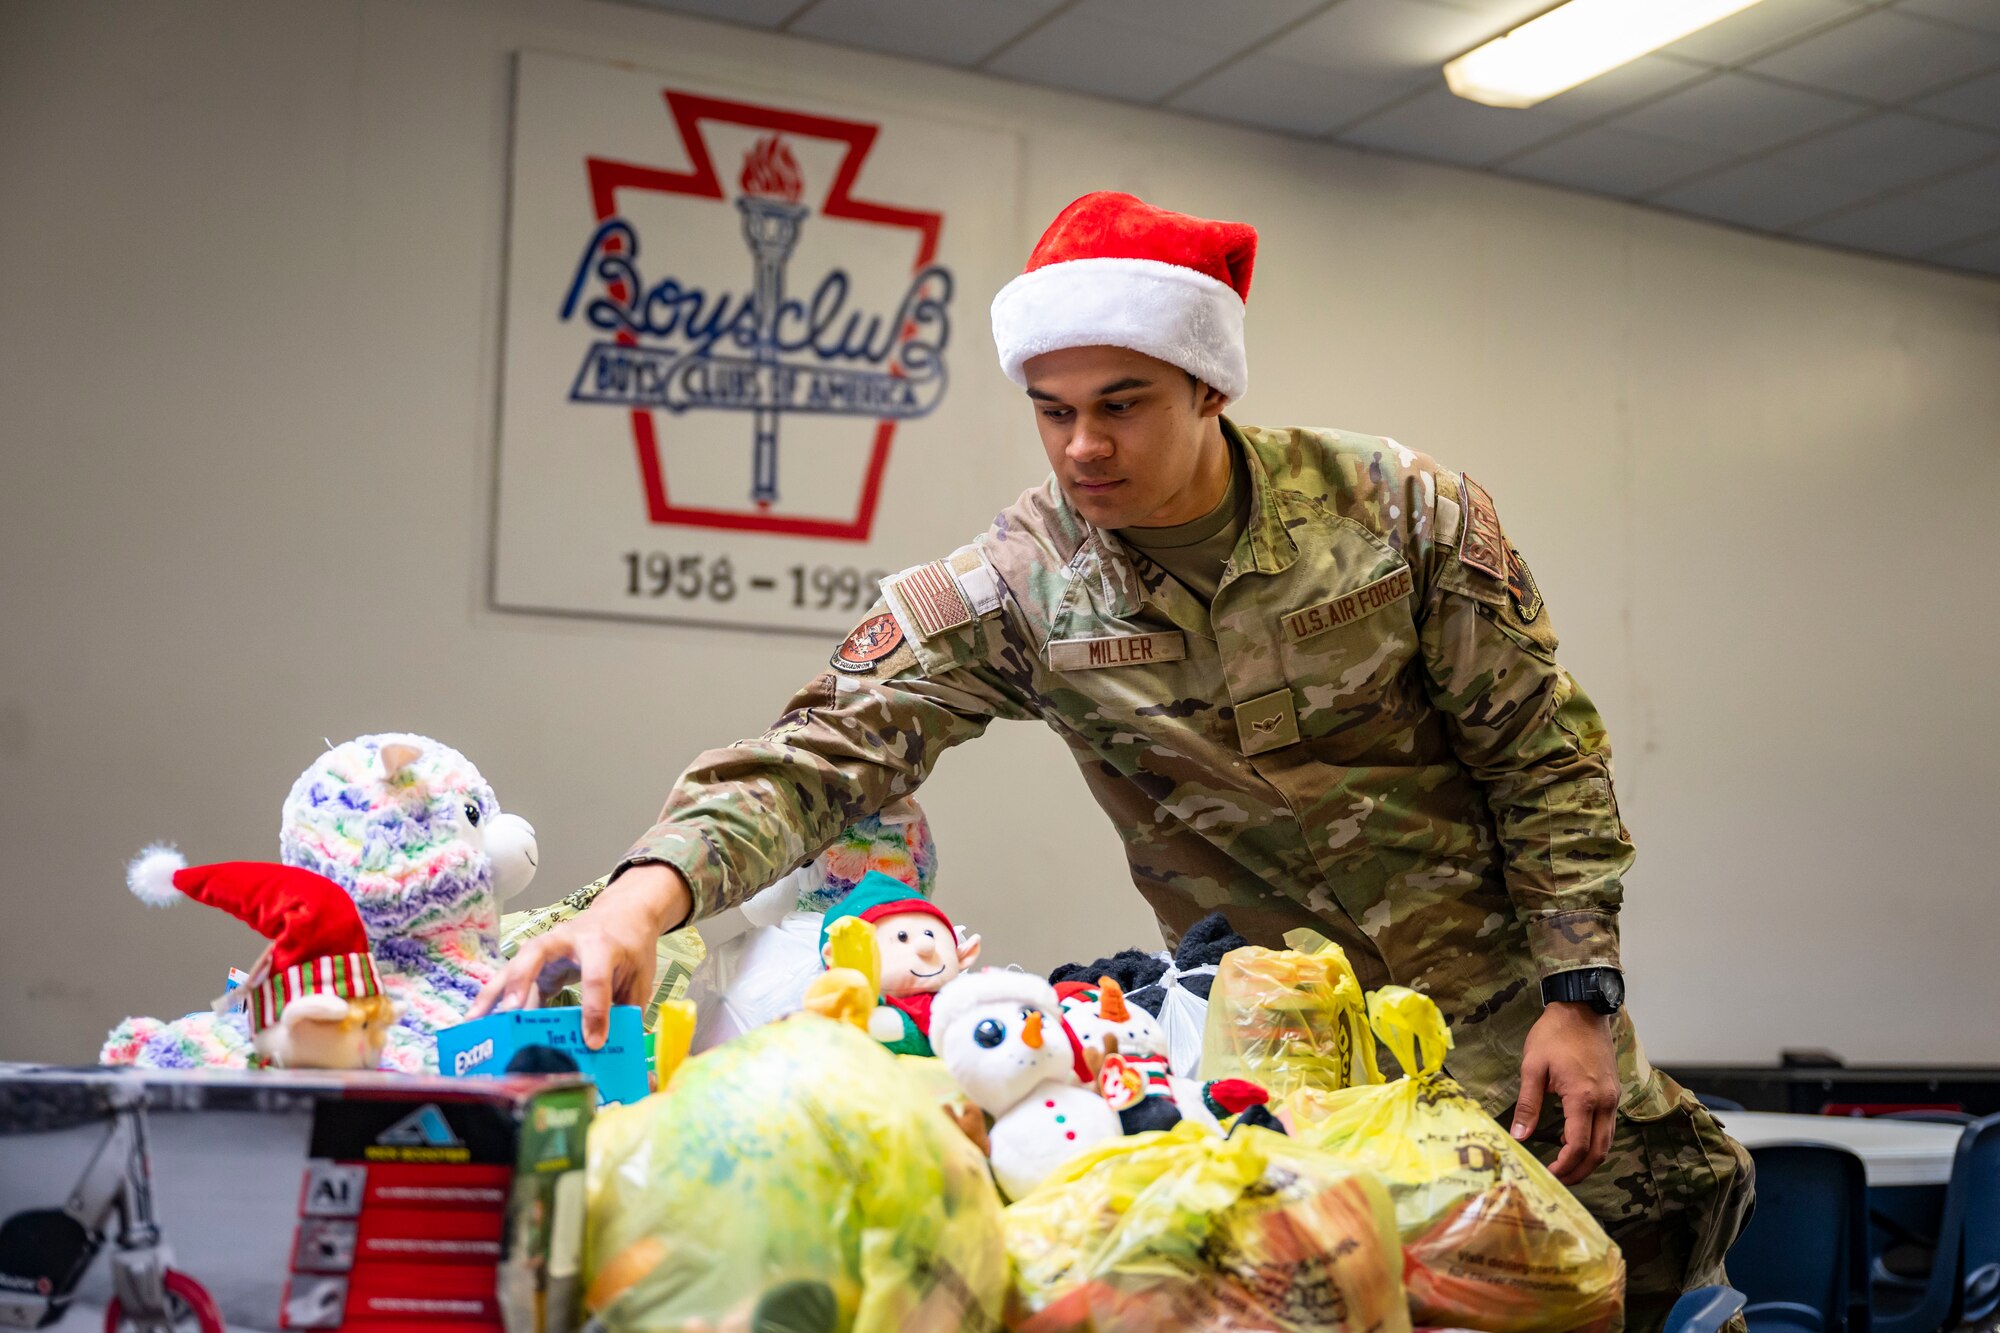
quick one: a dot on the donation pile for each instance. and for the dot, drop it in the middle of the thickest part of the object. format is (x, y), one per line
(798, 1177)
(1491, 1240)
(1186, 1230)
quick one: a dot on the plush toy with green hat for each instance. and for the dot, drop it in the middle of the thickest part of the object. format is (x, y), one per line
(918, 951)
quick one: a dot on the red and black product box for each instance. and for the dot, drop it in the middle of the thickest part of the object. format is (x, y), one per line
(197, 1202)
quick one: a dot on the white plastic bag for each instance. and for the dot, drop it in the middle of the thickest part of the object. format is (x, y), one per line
(755, 978)
(1184, 1015)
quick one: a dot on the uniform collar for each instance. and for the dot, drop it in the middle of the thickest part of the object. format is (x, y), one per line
(1266, 538)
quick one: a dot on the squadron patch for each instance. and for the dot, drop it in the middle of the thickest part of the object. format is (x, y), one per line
(1484, 546)
(872, 640)
(1521, 587)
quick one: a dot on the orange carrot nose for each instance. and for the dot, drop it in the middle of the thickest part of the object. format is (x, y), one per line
(1031, 1031)
(1111, 1001)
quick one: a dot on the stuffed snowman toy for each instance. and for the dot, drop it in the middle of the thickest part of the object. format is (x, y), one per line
(1002, 1036)
(413, 834)
(1139, 1085)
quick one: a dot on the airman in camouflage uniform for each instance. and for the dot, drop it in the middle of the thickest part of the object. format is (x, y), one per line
(1366, 732)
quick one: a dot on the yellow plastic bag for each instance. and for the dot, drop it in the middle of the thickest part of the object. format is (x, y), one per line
(1289, 1018)
(1184, 1230)
(798, 1176)
(1491, 1240)
(677, 954)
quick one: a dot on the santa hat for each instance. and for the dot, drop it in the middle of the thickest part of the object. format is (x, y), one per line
(974, 990)
(318, 944)
(879, 895)
(1114, 271)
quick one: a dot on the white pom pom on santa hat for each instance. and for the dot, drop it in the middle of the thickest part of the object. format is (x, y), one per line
(150, 875)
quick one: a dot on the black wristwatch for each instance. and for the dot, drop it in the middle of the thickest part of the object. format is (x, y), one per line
(1602, 988)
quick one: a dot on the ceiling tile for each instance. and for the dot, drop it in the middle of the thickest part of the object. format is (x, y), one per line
(756, 13)
(1978, 188)
(1612, 92)
(1279, 94)
(1887, 150)
(1387, 35)
(1976, 101)
(1140, 50)
(1903, 226)
(952, 32)
(1738, 114)
(1982, 14)
(1983, 256)
(1451, 129)
(1883, 55)
(1753, 32)
(1756, 194)
(1614, 162)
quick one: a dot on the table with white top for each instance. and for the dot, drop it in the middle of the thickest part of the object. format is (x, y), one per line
(1893, 1152)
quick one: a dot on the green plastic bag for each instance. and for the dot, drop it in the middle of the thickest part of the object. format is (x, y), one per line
(798, 1178)
(1491, 1240)
(1184, 1230)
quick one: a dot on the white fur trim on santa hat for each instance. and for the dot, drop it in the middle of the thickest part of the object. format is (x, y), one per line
(1176, 314)
(986, 986)
(150, 875)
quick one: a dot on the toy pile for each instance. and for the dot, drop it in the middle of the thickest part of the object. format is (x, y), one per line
(858, 1127)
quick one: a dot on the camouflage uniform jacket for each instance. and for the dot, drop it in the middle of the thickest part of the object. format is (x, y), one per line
(1366, 732)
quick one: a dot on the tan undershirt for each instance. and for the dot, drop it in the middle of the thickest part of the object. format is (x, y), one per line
(1196, 553)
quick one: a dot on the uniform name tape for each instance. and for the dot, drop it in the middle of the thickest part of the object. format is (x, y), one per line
(1349, 607)
(1120, 650)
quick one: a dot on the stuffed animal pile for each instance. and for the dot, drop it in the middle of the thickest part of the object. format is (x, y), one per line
(408, 828)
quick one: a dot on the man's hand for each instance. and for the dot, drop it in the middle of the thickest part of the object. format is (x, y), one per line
(1569, 1053)
(609, 945)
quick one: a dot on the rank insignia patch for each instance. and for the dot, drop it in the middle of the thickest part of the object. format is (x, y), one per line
(872, 640)
(1521, 587)
(1483, 547)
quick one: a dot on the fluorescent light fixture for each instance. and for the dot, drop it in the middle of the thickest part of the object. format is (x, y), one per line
(1574, 43)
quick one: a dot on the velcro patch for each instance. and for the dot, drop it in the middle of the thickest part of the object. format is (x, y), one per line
(932, 597)
(1521, 587)
(1116, 650)
(1349, 607)
(872, 640)
(1484, 547)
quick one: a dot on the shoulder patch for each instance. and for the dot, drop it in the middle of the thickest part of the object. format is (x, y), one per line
(1527, 597)
(871, 641)
(944, 595)
(1483, 546)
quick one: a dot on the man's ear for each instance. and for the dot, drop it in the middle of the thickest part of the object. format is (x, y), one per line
(1210, 401)
(968, 951)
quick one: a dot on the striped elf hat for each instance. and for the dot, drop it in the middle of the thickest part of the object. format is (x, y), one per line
(318, 944)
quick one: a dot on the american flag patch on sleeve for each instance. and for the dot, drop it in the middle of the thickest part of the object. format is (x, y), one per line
(932, 597)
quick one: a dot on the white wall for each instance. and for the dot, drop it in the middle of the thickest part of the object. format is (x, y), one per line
(249, 294)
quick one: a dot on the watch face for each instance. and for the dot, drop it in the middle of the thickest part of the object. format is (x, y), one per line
(1612, 986)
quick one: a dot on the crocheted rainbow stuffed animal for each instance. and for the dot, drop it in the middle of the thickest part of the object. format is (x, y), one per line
(409, 828)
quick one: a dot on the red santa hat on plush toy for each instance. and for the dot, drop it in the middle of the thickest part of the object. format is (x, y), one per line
(1115, 271)
(319, 948)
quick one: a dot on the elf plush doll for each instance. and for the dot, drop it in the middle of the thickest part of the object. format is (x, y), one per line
(315, 1000)
(919, 951)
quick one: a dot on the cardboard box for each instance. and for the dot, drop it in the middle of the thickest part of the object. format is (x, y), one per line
(490, 1045)
(281, 1200)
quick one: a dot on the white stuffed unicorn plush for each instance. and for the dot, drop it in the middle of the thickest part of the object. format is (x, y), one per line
(408, 827)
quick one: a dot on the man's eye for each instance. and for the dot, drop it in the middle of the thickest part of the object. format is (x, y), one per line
(1116, 409)
(1056, 413)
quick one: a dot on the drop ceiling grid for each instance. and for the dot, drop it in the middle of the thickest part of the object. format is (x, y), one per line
(1867, 124)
